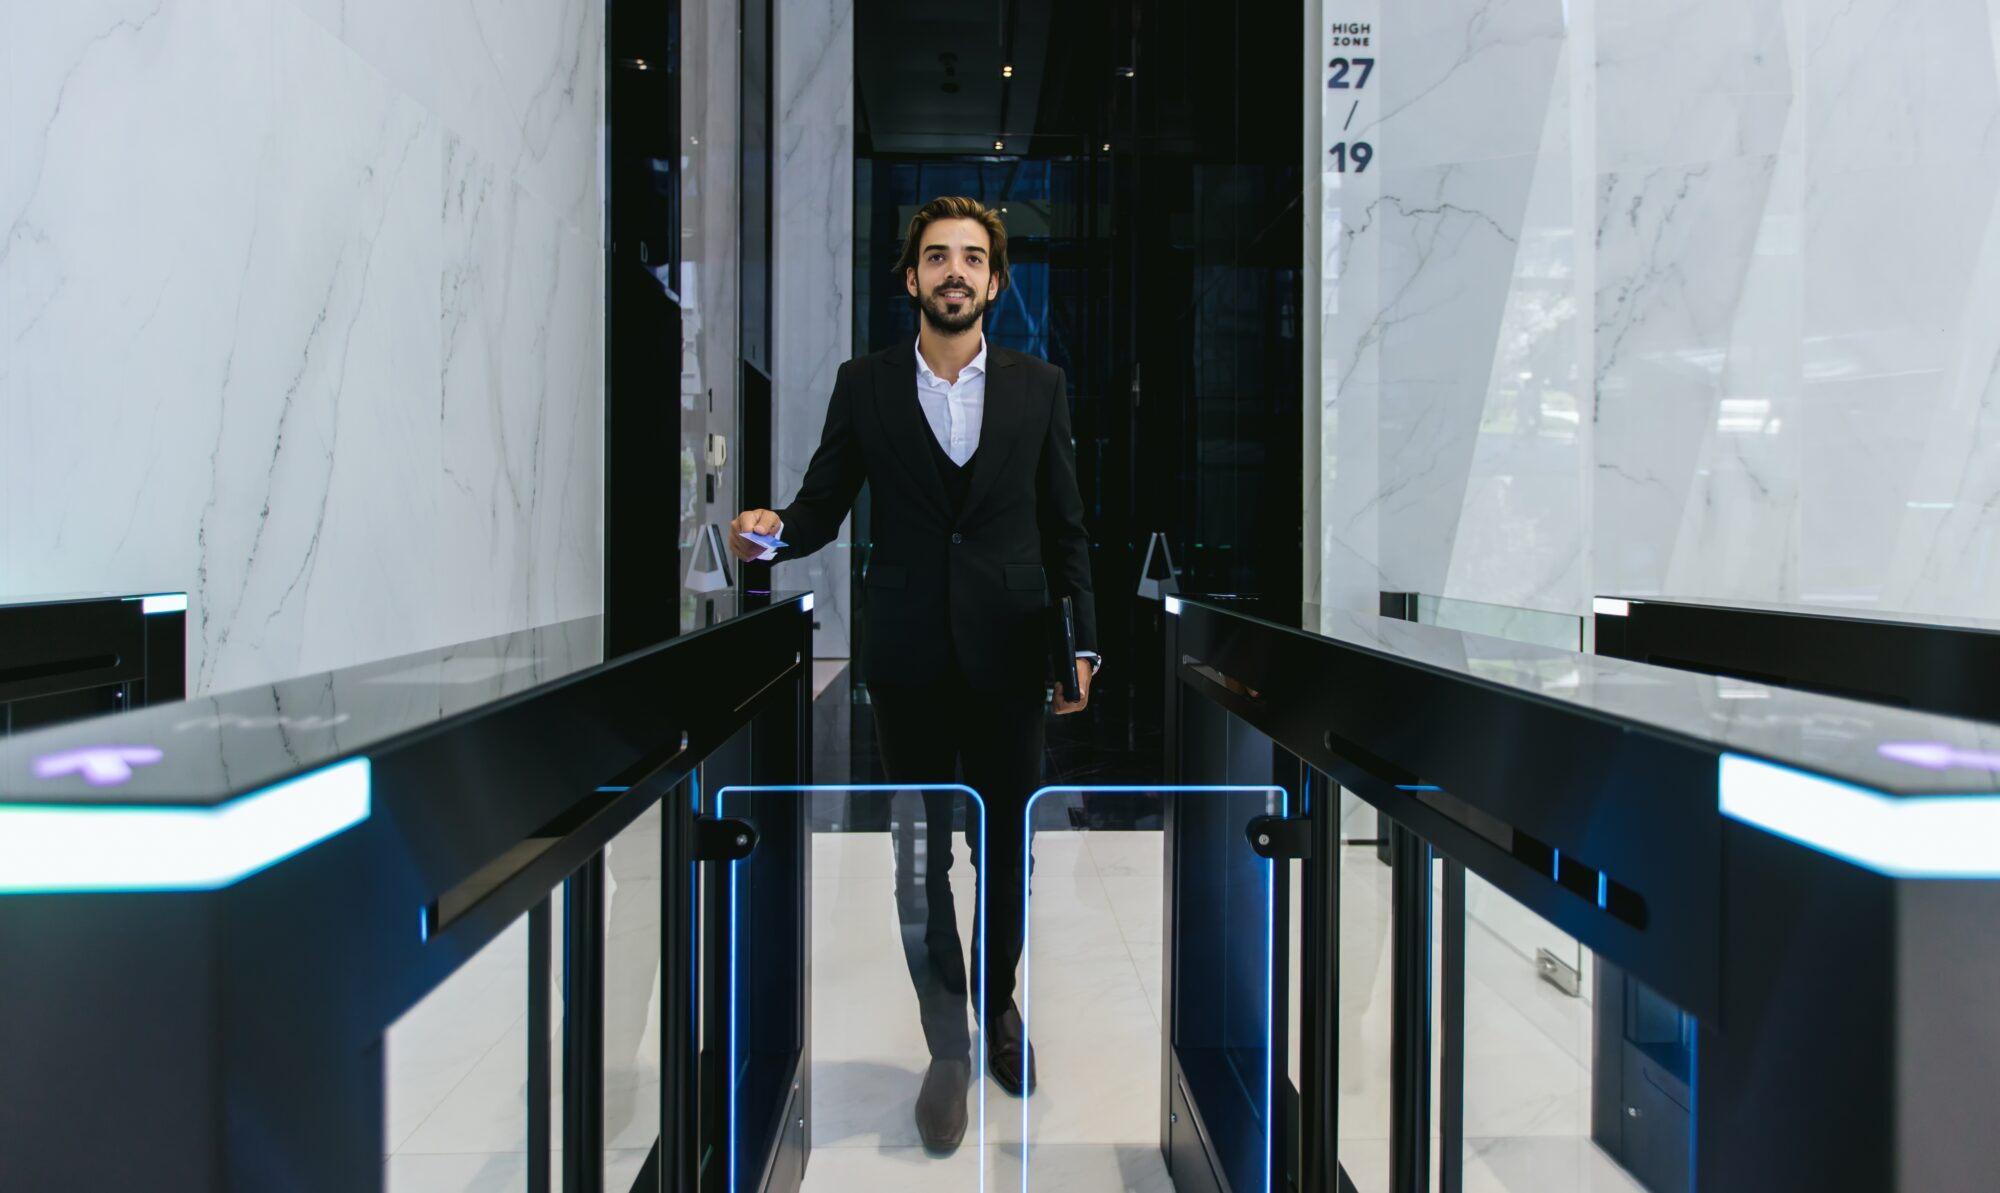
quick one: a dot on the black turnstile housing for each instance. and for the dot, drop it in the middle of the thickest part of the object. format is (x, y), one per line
(62, 658)
(1556, 775)
(231, 1037)
(1641, 1084)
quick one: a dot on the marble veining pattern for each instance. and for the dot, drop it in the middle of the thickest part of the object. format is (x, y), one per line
(812, 271)
(302, 309)
(1636, 300)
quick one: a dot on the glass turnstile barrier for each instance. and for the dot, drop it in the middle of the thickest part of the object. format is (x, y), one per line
(1567, 1080)
(1542, 1077)
(1153, 986)
(840, 965)
(842, 1003)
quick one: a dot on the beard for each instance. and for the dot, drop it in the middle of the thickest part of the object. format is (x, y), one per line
(941, 318)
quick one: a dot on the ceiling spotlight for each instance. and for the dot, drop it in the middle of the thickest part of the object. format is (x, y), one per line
(1107, 147)
(1007, 72)
(999, 145)
(1126, 72)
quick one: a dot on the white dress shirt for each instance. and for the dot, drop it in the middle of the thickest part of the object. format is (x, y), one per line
(954, 409)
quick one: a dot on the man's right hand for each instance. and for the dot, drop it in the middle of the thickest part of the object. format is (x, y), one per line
(756, 522)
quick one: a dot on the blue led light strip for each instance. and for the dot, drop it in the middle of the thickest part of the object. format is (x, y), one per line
(1270, 940)
(48, 848)
(1924, 836)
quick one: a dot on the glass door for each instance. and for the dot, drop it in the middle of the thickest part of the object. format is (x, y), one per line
(836, 1026)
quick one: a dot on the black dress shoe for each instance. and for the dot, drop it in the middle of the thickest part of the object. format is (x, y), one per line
(941, 1103)
(1009, 1055)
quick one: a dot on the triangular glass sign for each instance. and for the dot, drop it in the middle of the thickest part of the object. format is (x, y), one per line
(1155, 587)
(708, 563)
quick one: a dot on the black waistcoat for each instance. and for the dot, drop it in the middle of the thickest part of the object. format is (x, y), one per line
(957, 478)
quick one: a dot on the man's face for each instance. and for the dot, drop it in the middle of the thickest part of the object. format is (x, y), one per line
(953, 281)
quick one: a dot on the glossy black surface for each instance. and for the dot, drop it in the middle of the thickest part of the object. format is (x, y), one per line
(1938, 665)
(1827, 735)
(218, 747)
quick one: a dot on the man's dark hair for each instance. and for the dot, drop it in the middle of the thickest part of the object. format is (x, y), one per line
(957, 207)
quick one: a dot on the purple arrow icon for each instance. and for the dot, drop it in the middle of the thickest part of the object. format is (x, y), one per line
(1937, 755)
(100, 766)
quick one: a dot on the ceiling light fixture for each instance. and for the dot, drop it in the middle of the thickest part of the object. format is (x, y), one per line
(1007, 72)
(999, 145)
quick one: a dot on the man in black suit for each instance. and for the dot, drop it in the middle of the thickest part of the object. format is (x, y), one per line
(978, 529)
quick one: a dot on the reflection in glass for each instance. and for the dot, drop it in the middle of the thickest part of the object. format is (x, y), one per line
(456, 1071)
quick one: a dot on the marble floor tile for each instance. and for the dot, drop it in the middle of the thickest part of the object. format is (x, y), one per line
(1078, 999)
(1139, 903)
(1547, 1165)
(853, 855)
(437, 1043)
(1367, 1167)
(1070, 917)
(1128, 854)
(473, 1172)
(1149, 958)
(486, 1112)
(892, 1170)
(1086, 1168)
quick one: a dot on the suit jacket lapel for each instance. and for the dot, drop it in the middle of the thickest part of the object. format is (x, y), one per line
(903, 422)
(1001, 427)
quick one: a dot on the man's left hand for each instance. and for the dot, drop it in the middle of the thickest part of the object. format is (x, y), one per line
(1064, 706)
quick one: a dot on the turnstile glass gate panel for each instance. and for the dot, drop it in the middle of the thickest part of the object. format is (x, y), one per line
(838, 960)
(1152, 987)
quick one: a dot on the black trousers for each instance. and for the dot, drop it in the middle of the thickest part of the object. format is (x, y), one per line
(927, 735)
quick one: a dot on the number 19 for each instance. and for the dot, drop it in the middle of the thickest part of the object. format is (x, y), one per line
(1360, 153)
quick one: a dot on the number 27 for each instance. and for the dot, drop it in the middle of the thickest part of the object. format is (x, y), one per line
(1339, 66)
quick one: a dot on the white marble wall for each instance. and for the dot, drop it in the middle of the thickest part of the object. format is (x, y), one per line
(1694, 299)
(812, 270)
(302, 306)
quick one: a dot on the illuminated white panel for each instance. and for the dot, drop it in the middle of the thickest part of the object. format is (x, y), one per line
(47, 847)
(1930, 836)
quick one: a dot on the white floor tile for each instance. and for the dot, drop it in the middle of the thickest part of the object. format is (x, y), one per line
(1139, 903)
(892, 1170)
(1139, 854)
(1550, 1165)
(479, 1172)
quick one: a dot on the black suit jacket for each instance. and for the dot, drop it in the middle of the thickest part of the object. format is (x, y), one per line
(977, 585)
